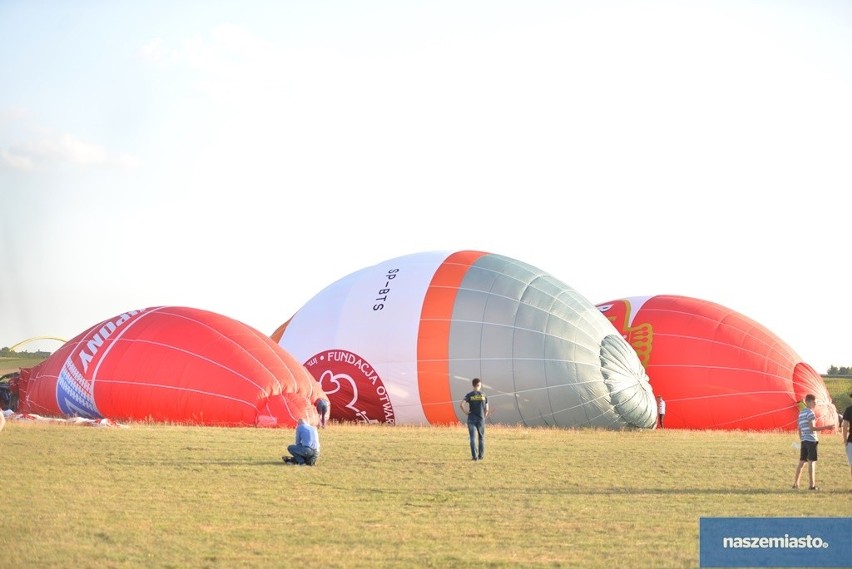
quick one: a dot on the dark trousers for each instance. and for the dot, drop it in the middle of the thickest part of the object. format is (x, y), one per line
(476, 431)
(302, 454)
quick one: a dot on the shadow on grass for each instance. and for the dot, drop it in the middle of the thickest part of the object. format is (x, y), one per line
(702, 491)
(564, 491)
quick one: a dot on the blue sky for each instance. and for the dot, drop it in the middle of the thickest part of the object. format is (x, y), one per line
(240, 156)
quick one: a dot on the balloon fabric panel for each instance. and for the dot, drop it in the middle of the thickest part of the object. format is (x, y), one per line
(537, 344)
(433, 338)
(715, 368)
(177, 364)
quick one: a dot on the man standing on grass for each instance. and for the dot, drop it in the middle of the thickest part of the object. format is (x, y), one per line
(846, 429)
(307, 447)
(809, 441)
(324, 410)
(475, 406)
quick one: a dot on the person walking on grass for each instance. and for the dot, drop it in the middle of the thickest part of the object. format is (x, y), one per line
(475, 406)
(324, 410)
(809, 441)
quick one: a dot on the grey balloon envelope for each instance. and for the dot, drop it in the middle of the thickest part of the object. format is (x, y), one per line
(426, 324)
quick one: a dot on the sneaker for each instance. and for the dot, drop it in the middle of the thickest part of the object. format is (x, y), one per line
(814, 488)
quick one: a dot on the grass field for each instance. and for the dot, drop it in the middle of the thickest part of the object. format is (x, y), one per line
(174, 496)
(839, 389)
(9, 365)
(385, 496)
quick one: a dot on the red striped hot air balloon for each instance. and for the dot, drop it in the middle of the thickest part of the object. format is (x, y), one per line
(172, 364)
(716, 368)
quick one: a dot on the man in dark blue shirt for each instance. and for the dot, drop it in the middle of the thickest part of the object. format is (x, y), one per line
(475, 406)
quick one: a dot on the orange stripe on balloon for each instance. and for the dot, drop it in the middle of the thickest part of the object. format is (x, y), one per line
(433, 339)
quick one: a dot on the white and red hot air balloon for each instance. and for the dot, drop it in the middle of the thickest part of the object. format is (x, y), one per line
(400, 341)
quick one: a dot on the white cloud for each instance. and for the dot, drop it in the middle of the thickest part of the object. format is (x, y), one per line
(77, 151)
(155, 52)
(34, 148)
(229, 51)
(16, 161)
(230, 64)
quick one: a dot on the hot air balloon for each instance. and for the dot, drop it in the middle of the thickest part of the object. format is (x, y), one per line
(716, 368)
(172, 364)
(399, 342)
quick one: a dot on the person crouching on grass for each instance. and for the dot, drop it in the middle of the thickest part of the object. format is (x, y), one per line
(306, 449)
(809, 441)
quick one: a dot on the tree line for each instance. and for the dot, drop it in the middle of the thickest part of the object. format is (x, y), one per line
(7, 353)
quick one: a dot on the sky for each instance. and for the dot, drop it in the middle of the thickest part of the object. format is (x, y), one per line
(240, 156)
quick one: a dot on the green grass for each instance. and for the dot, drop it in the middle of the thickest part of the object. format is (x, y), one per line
(839, 389)
(8, 365)
(384, 496)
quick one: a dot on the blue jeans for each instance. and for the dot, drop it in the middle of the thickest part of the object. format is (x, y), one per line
(476, 431)
(302, 454)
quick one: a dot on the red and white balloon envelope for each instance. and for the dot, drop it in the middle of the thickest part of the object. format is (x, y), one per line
(716, 368)
(172, 364)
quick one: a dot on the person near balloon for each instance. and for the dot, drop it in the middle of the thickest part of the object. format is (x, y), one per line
(661, 410)
(808, 441)
(475, 406)
(846, 430)
(324, 410)
(306, 449)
